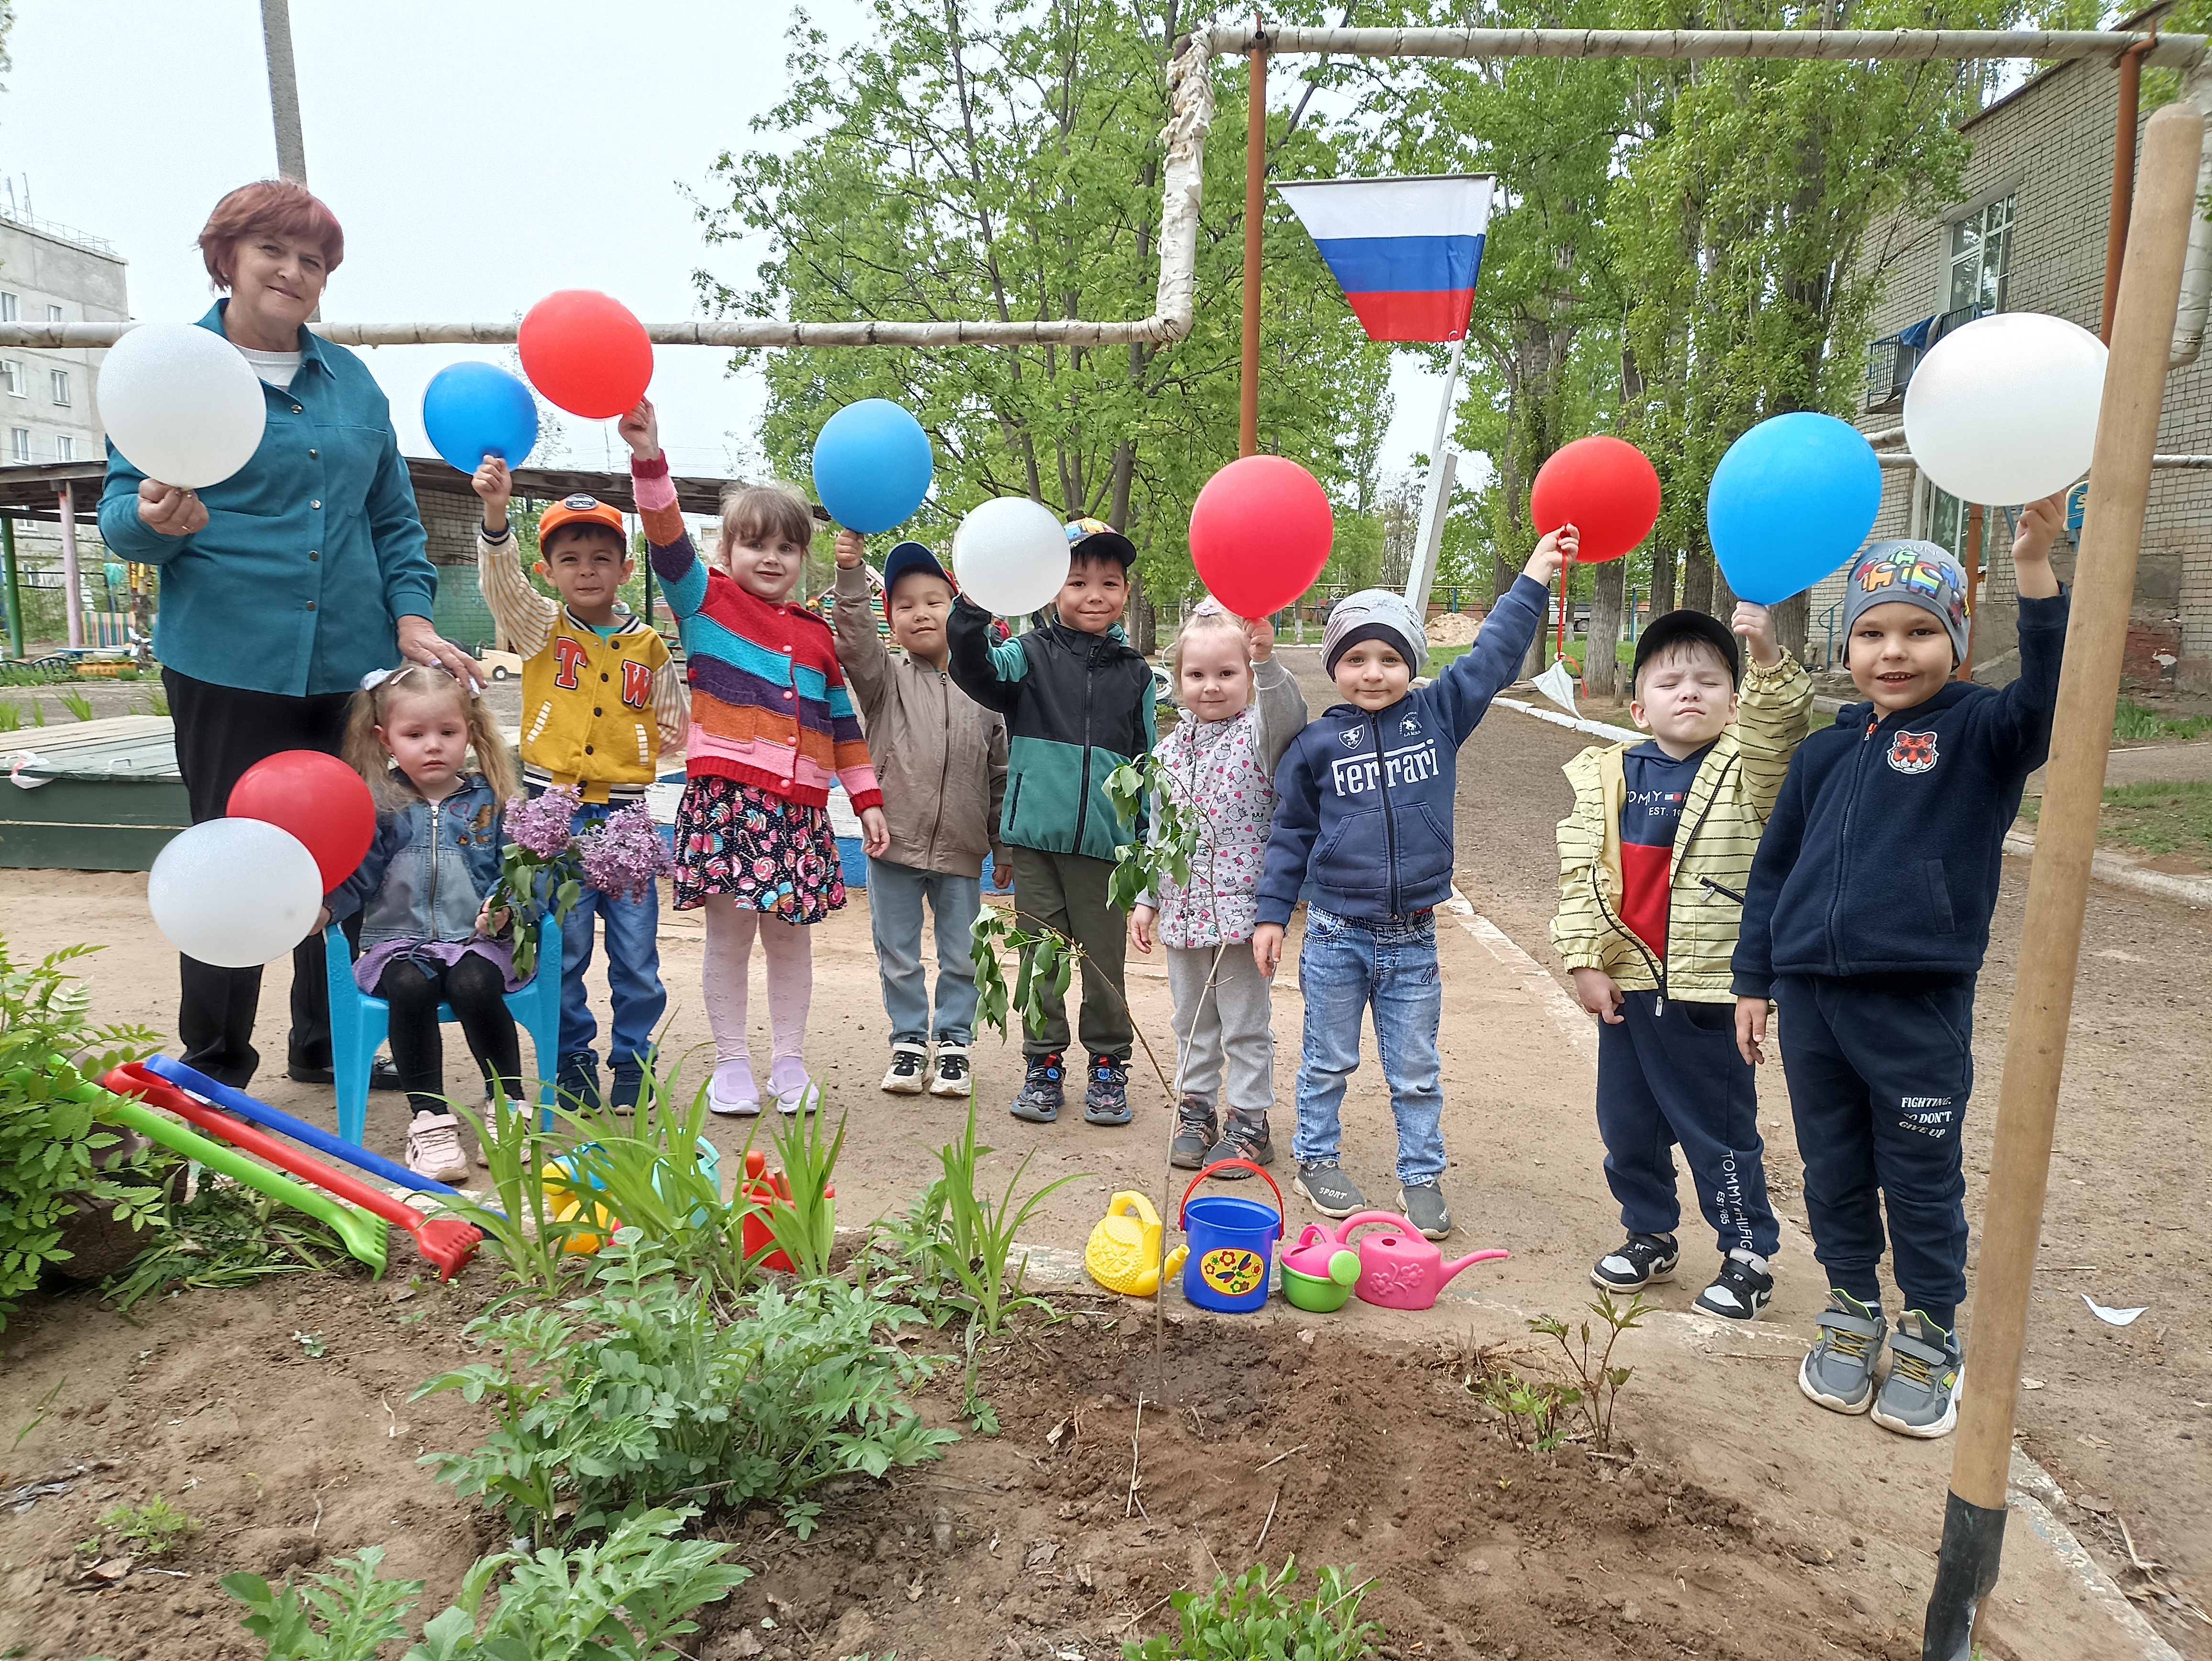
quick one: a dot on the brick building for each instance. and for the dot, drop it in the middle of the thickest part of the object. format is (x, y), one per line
(2028, 235)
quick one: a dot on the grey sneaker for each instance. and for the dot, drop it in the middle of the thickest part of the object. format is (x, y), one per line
(1920, 1397)
(1636, 1263)
(1332, 1193)
(1838, 1372)
(1425, 1208)
(1246, 1138)
(1196, 1130)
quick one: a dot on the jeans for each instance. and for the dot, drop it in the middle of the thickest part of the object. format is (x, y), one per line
(1880, 1072)
(1346, 966)
(896, 893)
(1670, 1075)
(632, 967)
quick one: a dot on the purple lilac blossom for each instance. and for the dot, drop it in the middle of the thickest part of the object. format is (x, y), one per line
(541, 826)
(624, 855)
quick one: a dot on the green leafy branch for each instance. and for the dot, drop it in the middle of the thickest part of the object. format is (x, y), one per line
(1146, 865)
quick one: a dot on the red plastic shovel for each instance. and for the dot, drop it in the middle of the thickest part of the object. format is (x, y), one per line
(447, 1243)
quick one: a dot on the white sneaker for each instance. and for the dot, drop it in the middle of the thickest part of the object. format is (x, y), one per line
(909, 1062)
(742, 1100)
(434, 1147)
(950, 1077)
(800, 1099)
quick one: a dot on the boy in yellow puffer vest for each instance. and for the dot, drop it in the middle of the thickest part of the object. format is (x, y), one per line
(600, 695)
(1653, 863)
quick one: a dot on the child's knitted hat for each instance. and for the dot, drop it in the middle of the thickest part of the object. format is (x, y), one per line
(1913, 574)
(1374, 614)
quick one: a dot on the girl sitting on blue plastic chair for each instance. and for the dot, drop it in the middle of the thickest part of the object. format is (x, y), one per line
(428, 936)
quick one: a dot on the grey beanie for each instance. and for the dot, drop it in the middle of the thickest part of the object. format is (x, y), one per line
(1911, 573)
(1374, 614)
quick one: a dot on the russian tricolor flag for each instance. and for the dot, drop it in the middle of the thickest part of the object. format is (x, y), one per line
(1405, 251)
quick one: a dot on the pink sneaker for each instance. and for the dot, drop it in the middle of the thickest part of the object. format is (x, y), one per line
(434, 1147)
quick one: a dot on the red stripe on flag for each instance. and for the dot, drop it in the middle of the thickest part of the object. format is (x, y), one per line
(1439, 315)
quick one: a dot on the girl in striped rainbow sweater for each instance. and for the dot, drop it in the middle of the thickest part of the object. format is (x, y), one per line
(771, 724)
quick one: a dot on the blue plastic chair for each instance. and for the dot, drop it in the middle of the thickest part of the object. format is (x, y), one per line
(359, 1025)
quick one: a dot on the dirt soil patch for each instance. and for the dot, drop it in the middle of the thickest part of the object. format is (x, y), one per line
(1033, 1536)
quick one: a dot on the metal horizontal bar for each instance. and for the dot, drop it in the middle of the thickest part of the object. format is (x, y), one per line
(762, 332)
(1904, 459)
(2171, 51)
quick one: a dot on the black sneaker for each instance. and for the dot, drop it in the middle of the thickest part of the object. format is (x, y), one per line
(1106, 1096)
(1332, 1193)
(1041, 1091)
(1197, 1129)
(578, 1084)
(1738, 1293)
(382, 1075)
(629, 1085)
(1638, 1262)
(1246, 1138)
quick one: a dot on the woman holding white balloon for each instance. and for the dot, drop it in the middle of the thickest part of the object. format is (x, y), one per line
(256, 466)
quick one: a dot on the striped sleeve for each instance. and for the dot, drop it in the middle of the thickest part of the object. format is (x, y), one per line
(683, 578)
(672, 702)
(1579, 930)
(1770, 725)
(525, 615)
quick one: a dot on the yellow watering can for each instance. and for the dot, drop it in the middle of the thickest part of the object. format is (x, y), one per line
(1123, 1254)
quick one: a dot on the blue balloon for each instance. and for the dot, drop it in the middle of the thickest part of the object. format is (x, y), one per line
(471, 411)
(1792, 500)
(872, 466)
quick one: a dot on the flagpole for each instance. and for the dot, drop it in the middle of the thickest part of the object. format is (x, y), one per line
(1255, 210)
(1442, 464)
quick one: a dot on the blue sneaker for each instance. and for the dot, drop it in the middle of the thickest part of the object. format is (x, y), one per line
(1043, 1093)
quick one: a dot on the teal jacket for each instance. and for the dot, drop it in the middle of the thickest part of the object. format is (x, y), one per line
(312, 553)
(1077, 706)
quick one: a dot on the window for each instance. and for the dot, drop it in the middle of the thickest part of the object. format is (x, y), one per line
(19, 443)
(7, 308)
(64, 448)
(1980, 253)
(53, 313)
(61, 387)
(11, 376)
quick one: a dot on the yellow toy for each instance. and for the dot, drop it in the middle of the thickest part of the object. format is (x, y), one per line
(1123, 1254)
(567, 1205)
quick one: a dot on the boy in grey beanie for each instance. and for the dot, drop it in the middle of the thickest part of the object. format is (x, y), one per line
(1365, 826)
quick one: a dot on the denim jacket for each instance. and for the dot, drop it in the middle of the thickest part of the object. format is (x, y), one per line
(427, 872)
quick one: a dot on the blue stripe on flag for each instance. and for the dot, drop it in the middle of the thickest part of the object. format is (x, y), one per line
(1402, 265)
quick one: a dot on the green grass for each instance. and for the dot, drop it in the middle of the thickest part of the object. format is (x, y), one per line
(2153, 818)
(2135, 723)
(1623, 652)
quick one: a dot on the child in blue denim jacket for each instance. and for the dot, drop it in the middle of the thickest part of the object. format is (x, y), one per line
(427, 935)
(1365, 821)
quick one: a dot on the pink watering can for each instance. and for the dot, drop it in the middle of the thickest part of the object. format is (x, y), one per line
(1400, 1270)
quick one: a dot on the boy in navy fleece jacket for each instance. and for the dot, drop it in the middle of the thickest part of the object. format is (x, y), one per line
(1365, 818)
(1866, 920)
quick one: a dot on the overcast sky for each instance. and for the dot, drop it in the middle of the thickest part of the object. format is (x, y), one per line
(479, 153)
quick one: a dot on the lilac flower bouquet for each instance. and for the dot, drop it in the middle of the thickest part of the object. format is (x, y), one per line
(623, 855)
(538, 868)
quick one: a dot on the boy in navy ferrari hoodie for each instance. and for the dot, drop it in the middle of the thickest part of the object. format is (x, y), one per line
(1365, 819)
(1866, 920)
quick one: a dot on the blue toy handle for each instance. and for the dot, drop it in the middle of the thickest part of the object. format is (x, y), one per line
(271, 1119)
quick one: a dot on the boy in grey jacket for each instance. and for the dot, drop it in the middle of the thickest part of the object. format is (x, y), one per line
(941, 759)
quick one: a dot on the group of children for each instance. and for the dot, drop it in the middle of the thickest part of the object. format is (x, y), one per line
(1714, 869)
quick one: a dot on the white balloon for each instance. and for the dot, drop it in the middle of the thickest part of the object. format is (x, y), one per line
(1010, 555)
(2004, 409)
(181, 403)
(234, 893)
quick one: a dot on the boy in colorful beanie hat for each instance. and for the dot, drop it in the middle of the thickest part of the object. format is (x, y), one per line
(941, 759)
(1866, 919)
(1365, 826)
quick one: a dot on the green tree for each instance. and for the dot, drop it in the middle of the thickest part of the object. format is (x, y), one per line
(1006, 162)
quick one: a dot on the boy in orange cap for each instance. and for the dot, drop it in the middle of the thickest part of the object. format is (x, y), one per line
(600, 695)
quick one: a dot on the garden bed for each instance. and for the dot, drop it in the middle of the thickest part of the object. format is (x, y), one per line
(1030, 1541)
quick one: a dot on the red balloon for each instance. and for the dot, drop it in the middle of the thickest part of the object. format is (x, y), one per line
(1605, 488)
(1259, 532)
(318, 799)
(586, 353)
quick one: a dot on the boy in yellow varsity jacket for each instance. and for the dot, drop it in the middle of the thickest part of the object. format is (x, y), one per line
(1653, 863)
(600, 698)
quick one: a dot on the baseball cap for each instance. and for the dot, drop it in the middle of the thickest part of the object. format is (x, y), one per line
(1094, 539)
(1911, 573)
(904, 560)
(1671, 627)
(579, 510)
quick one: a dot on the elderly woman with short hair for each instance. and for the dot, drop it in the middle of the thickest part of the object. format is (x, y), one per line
(285, 584)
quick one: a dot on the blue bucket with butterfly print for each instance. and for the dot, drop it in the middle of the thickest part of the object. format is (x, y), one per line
(1232, 1244)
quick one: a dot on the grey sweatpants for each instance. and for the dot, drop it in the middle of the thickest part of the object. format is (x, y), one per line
(1229, 1023)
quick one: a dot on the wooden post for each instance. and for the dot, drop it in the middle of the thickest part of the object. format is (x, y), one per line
(2123, 176)
(73, 596)
(2059, 881)
(1255, 211)
(1976, 516)
(283, 90)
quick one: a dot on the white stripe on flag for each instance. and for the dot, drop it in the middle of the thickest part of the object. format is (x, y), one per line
(1335, 208)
